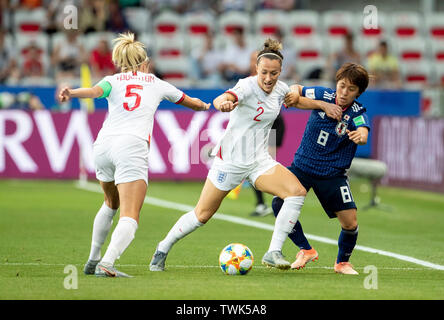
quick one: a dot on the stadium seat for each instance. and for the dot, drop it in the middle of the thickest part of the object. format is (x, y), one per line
(169, 46)
(435, 26)
(333, 44)
(302, 23)
(139, 19)
(197, 24)
(147, 38)
(22, 40)
(338, 23)
(437, 51)
(366, 46)
(406, 24)
(230, 20)
(373, 34)
(29, 20)
(411, 49)
(41, 40)
(309, 54)
(168, 23)
(439, 73)
(174, 70)
(91, 40)
(268, 22)
(416, 75)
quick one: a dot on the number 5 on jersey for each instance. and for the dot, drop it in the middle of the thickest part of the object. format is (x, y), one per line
(129, 93)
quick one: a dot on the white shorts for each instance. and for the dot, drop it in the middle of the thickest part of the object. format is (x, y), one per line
(226, 177)
(121, 159)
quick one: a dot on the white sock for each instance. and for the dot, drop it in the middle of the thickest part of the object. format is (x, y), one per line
(285, 221)
(185, 225)
(122, 236)
(102, 224)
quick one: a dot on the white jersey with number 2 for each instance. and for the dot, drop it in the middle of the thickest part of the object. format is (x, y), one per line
(132, 102)
(245, 140)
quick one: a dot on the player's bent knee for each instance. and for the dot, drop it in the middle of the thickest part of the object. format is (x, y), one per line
(203, 215)
(113, 203)
(296, 191)
(350, 226)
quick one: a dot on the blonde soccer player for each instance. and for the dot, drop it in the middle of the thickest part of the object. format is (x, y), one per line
(242, 153)
(122, 146)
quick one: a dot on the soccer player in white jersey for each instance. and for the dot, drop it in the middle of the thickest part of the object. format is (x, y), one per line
(122, 146)
(242, 153)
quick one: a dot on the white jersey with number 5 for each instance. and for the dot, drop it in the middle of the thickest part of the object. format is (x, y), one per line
(132, 102)
(245, 140)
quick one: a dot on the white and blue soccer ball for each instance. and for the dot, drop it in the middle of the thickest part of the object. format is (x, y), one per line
(236, 259)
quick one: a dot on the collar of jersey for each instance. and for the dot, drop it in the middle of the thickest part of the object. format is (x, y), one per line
(261, 94)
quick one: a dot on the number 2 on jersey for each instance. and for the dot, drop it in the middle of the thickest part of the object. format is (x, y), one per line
(129, 94)
(261, 111)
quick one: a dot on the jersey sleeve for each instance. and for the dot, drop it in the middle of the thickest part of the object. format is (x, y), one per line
(315, 93)
(106, 85)
(284, 89)
(170, 92)
(240, 91)
(362, 121)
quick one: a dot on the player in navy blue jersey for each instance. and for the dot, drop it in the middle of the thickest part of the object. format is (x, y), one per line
(326, 151)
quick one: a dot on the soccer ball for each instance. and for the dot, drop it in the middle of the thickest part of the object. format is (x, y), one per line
(235, 259)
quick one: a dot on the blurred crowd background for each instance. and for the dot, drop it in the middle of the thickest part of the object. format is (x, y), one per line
(212, 43)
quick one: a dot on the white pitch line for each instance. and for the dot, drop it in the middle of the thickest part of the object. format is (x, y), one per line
(265, 226)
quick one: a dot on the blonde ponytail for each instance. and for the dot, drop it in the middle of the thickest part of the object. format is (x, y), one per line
(128, 54)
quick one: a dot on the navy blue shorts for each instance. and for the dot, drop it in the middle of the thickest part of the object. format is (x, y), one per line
(333, 193)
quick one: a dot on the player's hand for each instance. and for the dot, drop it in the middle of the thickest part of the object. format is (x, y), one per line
(291, 99)
(228, 106)
(203, 106)
(355, 136)
(64, 94)
(333, 111)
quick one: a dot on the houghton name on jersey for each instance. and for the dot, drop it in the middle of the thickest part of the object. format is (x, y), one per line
(245, 140)
(326, 149)
(133, 98)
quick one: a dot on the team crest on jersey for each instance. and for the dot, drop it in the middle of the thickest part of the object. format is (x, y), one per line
(341, 128)
(221, 177)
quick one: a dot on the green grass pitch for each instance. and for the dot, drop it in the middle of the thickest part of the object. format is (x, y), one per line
(46, 226)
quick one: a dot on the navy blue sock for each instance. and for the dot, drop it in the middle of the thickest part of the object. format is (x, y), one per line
(297, 234)
(346, 243)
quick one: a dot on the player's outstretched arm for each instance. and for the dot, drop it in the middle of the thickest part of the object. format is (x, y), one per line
(331, 110)
(295, 99)
(359, 136)
(226, 102)
(195, 103)
(66, 93)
